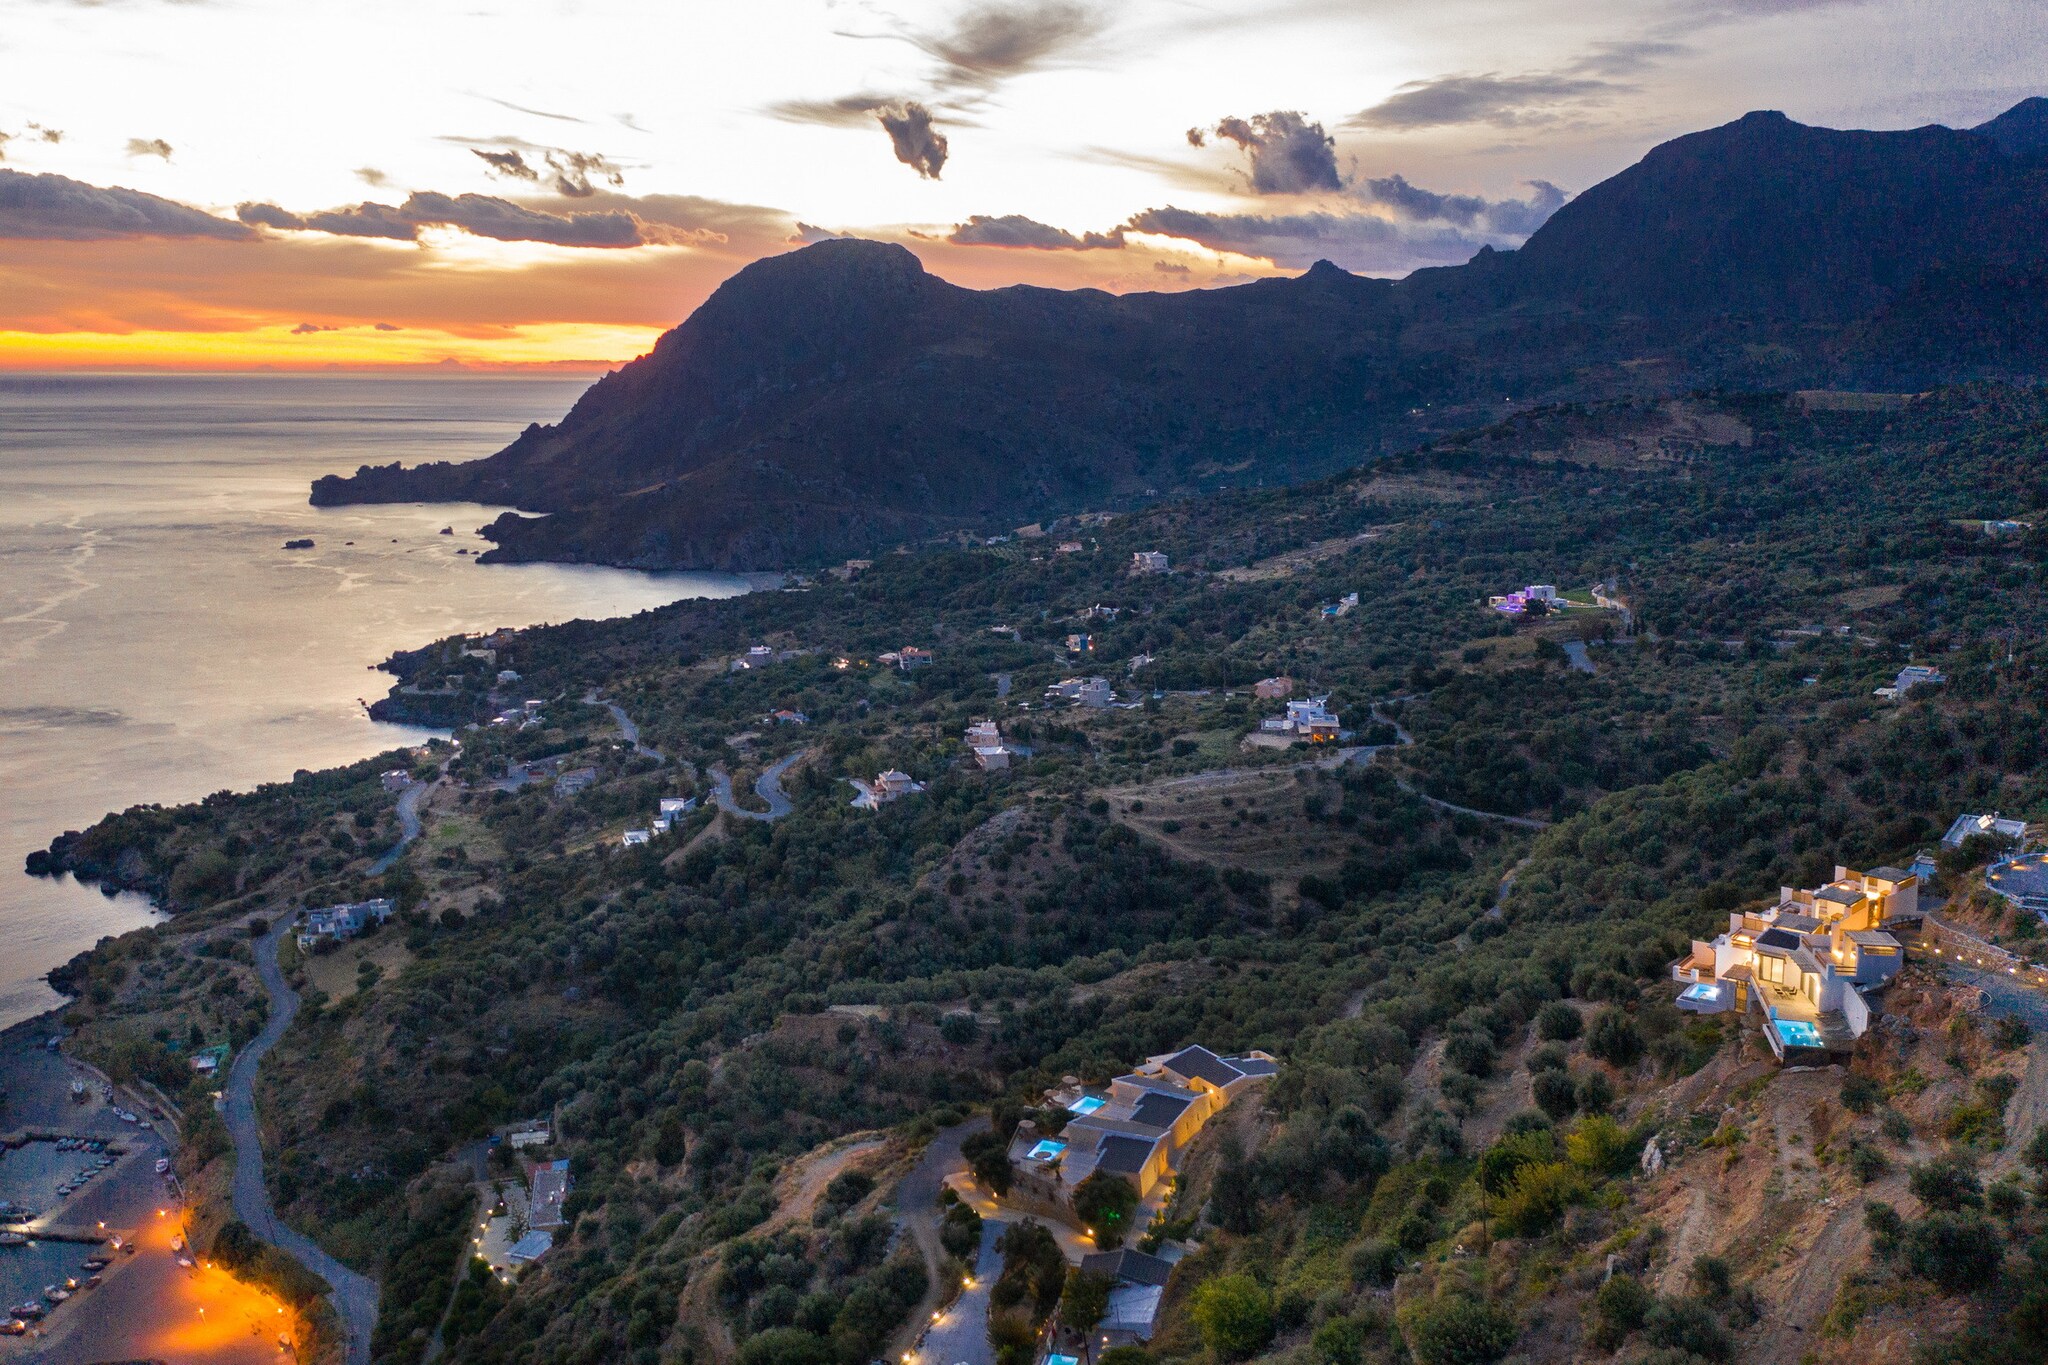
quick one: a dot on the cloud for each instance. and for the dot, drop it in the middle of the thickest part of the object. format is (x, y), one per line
(1170, 268)
(848, 111)
(537, 113)
(308, 328)
(1359, 241)
(510, 165)
(810, 234)
(919, 145)
(1015, 230)
(572, 172)
(1500, 218)
(481, 215)
(1289, 154)
(386, 327)
(5, 138)
(155, 146)
(361, 220)
(58, 208)
(1503, 101)
(991, 42)
(371, 176)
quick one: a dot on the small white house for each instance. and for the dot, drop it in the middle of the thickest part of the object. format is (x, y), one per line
(1992, 826)
(672, 806)
(633, 838)
(1148, 561)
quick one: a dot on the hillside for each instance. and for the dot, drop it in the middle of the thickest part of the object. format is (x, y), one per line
(839, 399)
(1443, 1155)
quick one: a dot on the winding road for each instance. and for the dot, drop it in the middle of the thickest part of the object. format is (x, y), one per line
(408, 826)
(627, 729)
(355, 1296)
(768, 786)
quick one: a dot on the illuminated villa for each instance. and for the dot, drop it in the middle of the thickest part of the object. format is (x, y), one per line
(1804, 964)
(1135, 1128)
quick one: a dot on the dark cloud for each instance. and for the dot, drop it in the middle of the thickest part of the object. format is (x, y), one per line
(1499, 218)
(154, 146)
(510, 165)
(1358, 241)
(386, 327)
(308, 328)
(991, 42)
(570, 173)
(43, 134)
(5, 138)
(58, 208)
(919, 145)
(1627, 59)
(370, 175)
(1504, 101)
(361, 220)
(479, 214)
(1015, 230)
(848, 111)
(1289, 154)
(573, 172)
(1170, 268)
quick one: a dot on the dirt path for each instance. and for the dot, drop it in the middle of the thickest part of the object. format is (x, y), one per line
(1688, 1243)
(818, 1171)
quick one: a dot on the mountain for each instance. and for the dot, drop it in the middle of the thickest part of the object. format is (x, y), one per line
(839, 399)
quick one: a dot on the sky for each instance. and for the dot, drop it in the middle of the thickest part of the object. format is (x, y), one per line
(301, 184)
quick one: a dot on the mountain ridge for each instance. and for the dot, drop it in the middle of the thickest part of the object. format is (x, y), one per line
(840, 398)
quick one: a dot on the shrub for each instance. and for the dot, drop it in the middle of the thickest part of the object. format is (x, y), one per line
(1456, 1331)
(1555, 1094)
(1867, 1162)
(1539, 1197)
(1712, 1277)
(1234, 1314)
(1376, 1262)
(1558, 1022)
(959, 1028)
(1470, 1052)
(1549, 1057)
(1599, 1145)
(1501, 1163)
(1615, 1038)
(1618, 1309)
(786, 1346)
(1946, 1183)
(1860, 1094)
(1682, 1325)
(1593, 1091)
(1340, 1341)
(1957, 1251)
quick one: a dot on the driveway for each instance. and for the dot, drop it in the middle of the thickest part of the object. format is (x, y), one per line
(768, 786)
(355, 1296)
(627, 729)
(408, 826)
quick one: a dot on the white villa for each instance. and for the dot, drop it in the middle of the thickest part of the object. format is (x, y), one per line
(342, 922)
(1148, 561)
(1804, 965)
(1910, 677)
(1094, 692)
(1136, 1127)
(991, 753)
(1310, 720)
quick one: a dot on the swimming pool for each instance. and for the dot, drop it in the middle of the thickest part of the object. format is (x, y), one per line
(1701, 992)
(1047, 1150)
(1797, 1033)
(1087, 1104)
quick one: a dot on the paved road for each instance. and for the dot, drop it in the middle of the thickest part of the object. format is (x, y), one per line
(627, 728)
(768, 786)
(917, 1212)
(408, 826)
(355, 1297)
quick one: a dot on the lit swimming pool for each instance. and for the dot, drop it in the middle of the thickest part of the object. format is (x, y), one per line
(1047, 1150)
(1701, 993)
(1797, 1033)
(1087, 1104)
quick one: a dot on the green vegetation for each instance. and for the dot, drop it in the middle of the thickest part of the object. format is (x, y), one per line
(699, 1012)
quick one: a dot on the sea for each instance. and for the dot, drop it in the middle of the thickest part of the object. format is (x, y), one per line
(158, 643)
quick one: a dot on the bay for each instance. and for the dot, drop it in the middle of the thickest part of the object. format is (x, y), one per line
(157, 643)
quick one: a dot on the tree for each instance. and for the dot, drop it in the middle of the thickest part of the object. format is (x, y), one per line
(1618, 1309)
(1946, 1183)
(1958, 1251)
(1104, 1203)
(1456, 1331)
(1234, 1314)
(1084, 1302)
(1502, 1162)
(988, 1156)
(1558, 1022)
(1555, 1094)
(1615, 1038)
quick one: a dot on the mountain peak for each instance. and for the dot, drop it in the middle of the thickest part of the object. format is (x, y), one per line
(2020, 130)
(1326, 270)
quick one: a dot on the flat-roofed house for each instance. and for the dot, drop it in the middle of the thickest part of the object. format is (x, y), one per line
(1804, 964)
(1992, 826)
(550, 1188)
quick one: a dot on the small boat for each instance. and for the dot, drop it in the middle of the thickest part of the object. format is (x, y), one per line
(93, 1281)
(30, 1310)
(12, 1239)
(185, 1261)
(56, 1295)
(163, 1165)
(78, 1092)
(97, 1263)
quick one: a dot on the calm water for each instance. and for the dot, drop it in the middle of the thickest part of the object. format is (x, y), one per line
(157, 644)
